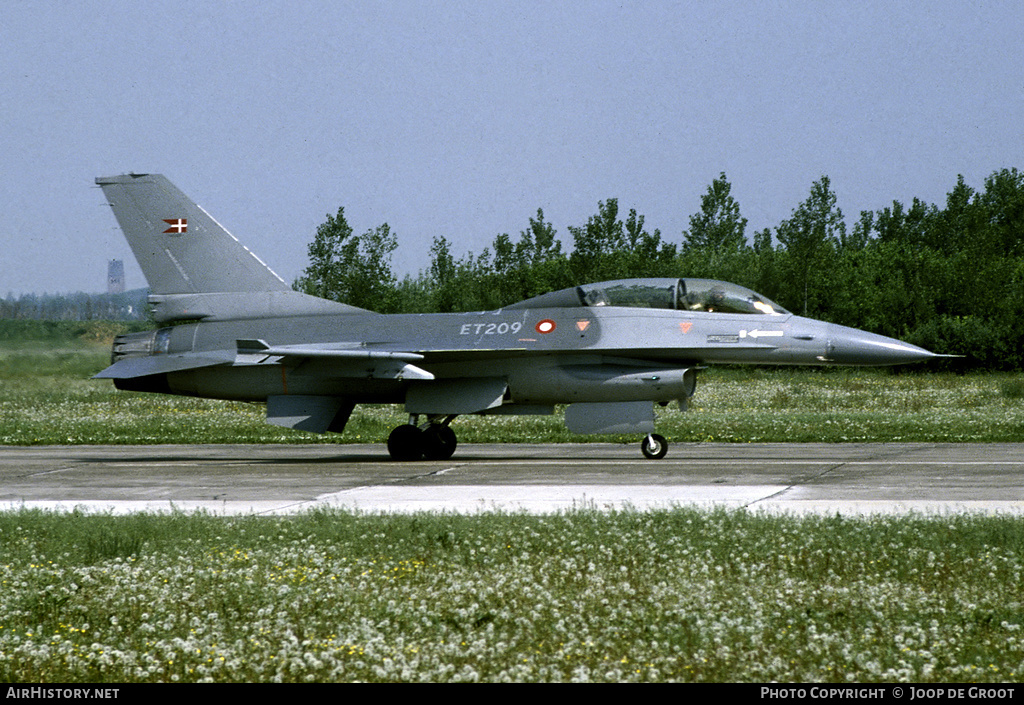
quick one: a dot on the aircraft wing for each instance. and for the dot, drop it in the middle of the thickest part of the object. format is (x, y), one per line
(344, 360)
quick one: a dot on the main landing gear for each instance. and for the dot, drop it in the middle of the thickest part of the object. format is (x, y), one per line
(435, 441)
(654, 446)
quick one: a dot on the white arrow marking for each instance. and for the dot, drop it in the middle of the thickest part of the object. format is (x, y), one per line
(761, 334)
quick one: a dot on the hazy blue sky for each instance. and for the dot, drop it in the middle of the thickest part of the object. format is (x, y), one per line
(462, 118)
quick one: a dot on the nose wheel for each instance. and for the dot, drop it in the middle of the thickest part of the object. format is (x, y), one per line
(654, 446)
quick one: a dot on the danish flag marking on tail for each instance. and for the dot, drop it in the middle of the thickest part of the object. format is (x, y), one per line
(178, 225)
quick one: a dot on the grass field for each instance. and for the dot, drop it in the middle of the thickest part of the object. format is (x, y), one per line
(680, 595)
(46, 397)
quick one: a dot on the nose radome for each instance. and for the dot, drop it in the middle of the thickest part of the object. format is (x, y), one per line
(850, 346)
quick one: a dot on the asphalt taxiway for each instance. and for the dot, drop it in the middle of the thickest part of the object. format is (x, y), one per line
(274, 479)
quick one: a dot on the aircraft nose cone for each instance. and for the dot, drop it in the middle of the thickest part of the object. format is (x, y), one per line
(850, 346)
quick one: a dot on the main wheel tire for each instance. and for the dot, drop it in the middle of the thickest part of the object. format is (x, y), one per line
(654, 446)
(439, 442)
(406, 443)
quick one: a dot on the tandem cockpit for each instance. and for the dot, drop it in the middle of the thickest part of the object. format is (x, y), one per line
(708, 295)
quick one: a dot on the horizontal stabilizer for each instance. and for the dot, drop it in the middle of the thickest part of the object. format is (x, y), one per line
(132, 367)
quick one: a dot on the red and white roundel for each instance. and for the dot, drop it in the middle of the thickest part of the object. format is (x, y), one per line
(545, 326)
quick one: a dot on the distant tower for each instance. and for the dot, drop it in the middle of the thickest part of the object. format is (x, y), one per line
(115, 277)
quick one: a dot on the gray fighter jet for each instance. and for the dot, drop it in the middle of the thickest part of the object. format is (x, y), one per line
(611, 350)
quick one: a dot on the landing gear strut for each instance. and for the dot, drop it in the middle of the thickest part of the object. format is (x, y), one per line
(435, 441)
(654, 446)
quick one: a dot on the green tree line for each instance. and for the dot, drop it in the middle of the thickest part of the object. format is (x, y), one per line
(79, 306)
(949, 278)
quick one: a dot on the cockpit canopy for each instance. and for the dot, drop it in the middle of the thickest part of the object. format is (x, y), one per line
(706, 295)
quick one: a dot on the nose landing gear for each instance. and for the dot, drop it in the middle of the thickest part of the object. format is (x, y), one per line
(654, 446)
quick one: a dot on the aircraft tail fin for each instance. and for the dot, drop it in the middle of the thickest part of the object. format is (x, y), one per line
(180, 247)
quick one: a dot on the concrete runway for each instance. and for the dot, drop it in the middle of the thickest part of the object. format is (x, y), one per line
(277, 479)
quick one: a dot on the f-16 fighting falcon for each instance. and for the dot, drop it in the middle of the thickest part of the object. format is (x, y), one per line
(610, 350)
